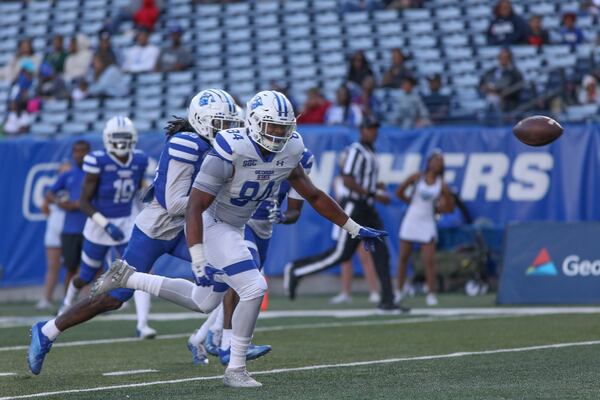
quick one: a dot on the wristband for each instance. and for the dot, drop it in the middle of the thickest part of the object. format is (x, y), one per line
(197, 254)
(351, 227)
(99, 219)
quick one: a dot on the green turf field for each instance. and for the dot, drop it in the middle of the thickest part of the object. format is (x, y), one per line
(423, 356)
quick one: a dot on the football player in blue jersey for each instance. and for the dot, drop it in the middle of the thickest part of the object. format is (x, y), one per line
(159, 228)
(245, 167)
(257, 234)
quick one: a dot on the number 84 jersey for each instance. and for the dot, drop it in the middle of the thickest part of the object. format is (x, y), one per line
(255, 177)
(118, 182)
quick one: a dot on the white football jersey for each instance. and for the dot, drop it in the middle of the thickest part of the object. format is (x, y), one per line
(255, 178)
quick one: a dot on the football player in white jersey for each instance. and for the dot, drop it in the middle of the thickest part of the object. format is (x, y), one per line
(245, 166)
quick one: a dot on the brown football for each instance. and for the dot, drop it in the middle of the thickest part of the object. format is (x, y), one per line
(537, 130)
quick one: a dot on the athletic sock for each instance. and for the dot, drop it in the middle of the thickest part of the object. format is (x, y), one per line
(145, 282)
(142, 308)
(71, 295)
(50, 330)
(226, 340)
(239, 347)
(217, 325)
(200, 335)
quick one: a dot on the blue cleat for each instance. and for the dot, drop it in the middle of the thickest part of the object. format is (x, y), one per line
(210, 346)
(224, 356)
(199, 356)
(39, 347)
(257, 351)
(253, 352)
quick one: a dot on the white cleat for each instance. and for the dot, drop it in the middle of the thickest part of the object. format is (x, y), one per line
(431, 300)
(374, 298)
(116, 277)
(146, 332)
(43, 305)
(239, 378)
(342, 298)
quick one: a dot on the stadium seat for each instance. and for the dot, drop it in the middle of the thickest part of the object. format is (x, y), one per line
(44, 129)
(87, 104)
(75, 127)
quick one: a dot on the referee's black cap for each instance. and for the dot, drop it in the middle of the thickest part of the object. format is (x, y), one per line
(370, 122)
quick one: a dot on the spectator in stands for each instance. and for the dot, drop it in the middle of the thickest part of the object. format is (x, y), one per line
(143, 13)
(81, 90)
(507, 27)
(569, 33)
(359, 68)
(403, 4)
(141, 57)
(18, 119)
(79, 58)
(314, 108)
(50, 84)
(56, 58)
(24, 53)
(397, 72)
(105, 50)
(502, 85)
(409, 107)
(588, 93)
(344, 112)
(23, 85)
(366, 100)
(108, 80)
(175, 57)
(362, 5)
(537, 35)
(437, 103)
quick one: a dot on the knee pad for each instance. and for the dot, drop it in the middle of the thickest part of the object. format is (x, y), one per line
(249, 285)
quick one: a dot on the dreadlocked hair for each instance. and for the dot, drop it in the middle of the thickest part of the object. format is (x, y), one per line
(178, 124)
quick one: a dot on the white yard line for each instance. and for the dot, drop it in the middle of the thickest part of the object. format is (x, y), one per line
(317, 367)
(8, 373)
(11, 322)
(131, 372)
(322, 325)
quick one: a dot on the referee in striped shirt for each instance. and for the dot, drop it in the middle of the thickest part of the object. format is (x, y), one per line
(360, 173)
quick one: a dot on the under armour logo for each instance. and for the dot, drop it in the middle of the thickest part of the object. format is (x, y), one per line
(279, 163)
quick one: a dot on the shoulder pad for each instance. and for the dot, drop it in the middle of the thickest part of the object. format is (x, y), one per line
(227, 141)
(307, 160)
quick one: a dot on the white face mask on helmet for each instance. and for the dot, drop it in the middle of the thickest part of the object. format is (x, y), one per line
(212, 110)
(119, 136)
(270, 120)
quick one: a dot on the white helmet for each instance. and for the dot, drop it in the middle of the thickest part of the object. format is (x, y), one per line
(119, 136)
(212, 110)
(270, 120)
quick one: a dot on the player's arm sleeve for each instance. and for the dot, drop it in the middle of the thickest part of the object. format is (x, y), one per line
(214, 172)
(59, 184)
(179, 180)
(91, 164)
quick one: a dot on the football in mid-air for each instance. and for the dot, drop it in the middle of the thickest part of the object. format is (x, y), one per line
(537, 130)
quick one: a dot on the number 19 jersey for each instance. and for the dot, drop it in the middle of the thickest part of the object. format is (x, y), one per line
(118, 182)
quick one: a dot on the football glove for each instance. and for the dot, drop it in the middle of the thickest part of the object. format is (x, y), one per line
(114, 232)
(276, 216)
(370, 237)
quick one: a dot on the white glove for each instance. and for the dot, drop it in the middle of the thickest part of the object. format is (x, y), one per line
(276, 216)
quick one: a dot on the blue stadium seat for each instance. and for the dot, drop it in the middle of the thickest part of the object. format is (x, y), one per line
(56, 117)
(44, 129)
(386, 15)
(452, 26)
(298, 32)
(93, 116)
(117, 103)
(267, 20)
(86, 104)
(263, 7)
(327, 18)
(448, 13)
(274, 73)
(75, 127)
(239, 21)
(54, 106)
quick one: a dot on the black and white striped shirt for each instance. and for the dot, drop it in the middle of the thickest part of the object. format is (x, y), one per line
(361, 163)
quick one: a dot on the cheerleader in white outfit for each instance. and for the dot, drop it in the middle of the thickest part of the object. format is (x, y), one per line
(429, 194)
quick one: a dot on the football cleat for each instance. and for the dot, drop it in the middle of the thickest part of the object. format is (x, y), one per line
(39, 347)
(239, 378)
(290, 281)
(116, 277)
(199, 356)
(145, 332)
(210, 346)
(253, 352)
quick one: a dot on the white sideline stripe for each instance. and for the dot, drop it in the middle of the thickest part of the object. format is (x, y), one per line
(8, 373)
(270, 329)
(317, 367)
(12, 322)
(132, 372)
